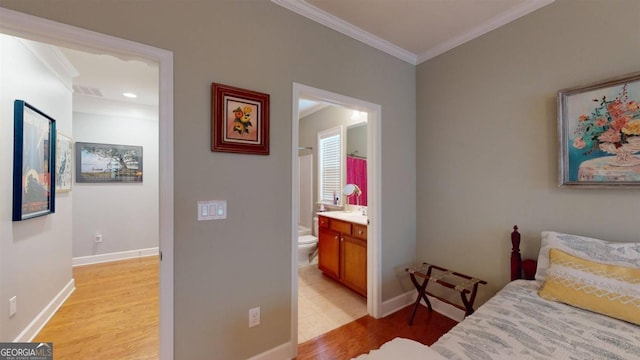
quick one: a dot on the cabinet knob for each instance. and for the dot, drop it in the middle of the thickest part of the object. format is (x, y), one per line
(341, 239)
(359, 232)
(336, 237)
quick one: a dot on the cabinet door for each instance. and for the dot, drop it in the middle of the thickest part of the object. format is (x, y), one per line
(353, 269)
(329, 252)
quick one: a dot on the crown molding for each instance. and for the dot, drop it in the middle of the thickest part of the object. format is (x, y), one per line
(492, 24)
(301, 7)
(51, 57)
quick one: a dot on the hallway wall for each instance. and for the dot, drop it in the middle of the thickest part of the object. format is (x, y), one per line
(126, 214)
(31, 248)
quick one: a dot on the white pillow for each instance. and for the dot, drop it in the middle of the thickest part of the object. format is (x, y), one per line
(606, 252)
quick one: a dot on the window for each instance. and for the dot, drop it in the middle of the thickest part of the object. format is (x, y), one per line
(330, 165)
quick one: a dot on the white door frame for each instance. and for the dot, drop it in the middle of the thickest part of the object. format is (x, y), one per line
(374, 111)
(38, 29)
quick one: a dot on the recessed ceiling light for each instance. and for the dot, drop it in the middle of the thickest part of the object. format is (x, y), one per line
(130, 95)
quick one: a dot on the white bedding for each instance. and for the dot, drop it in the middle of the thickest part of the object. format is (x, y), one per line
(402, 349)
(519, 324)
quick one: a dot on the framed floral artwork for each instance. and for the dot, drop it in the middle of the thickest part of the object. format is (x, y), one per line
(599, 128)
(239, 120)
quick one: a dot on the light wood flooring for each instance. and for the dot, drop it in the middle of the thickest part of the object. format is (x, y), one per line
(324, 304)
(112, 314)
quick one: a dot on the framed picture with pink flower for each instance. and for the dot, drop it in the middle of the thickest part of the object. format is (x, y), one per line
(239, 120)
(599, 128)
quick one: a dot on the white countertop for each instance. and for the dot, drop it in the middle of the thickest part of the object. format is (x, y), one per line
(350, 216)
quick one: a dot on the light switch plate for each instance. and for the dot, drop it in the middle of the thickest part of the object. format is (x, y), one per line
(212, 210)
(13, 306)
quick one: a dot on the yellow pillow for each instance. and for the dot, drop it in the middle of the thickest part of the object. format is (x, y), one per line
(606, 289)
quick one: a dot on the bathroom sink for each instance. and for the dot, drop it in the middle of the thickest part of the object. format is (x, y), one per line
(351, 216)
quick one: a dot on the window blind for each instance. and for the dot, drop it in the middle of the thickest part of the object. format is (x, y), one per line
(330, 166)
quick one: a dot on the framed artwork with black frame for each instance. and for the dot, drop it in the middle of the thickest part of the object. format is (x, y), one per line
(34, 158)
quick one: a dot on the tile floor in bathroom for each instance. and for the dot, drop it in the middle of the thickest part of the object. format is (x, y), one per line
(324, 304)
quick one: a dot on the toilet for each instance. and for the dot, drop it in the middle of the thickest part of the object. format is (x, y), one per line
(307, 243)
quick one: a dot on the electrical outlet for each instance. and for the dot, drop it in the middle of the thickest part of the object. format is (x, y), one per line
(254, 317)
(13, 306)
(98, 237)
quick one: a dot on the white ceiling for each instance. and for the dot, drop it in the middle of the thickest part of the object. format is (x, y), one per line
(413, 30)
(104, 78)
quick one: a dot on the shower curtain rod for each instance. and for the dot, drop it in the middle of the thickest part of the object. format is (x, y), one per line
(357, 156)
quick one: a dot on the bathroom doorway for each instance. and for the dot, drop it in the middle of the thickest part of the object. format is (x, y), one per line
(303, 145)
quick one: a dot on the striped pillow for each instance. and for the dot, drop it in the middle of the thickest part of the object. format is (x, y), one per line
(605, 289)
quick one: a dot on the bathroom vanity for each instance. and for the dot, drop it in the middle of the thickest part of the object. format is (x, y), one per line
(342, 248)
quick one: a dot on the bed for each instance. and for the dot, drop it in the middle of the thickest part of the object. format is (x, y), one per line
(582, 303)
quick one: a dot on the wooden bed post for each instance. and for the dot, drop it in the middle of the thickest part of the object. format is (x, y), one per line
(516, 259)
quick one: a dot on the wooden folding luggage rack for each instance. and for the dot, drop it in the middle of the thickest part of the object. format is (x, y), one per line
(466, 285)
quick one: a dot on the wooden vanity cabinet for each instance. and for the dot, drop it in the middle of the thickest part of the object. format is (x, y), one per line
(329, 252)
(342, 252)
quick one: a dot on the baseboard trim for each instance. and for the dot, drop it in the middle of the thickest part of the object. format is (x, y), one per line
(45, 315)
(445, 309)
(394, 304)
(401, 301)
(284, 351)
(123, 255)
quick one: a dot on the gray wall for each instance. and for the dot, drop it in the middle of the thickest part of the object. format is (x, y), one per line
(224, 268)
(35, 254)
(486, 130)
(126, 214)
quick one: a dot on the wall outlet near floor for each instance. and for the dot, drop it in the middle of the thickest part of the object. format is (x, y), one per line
(98, 237)
(254, 317)
(13, 306)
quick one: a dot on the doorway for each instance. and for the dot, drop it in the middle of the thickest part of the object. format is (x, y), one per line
(33, 28)
(373, 111)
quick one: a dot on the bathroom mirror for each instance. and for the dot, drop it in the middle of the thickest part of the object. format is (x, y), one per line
(356, 160)
(351, 189)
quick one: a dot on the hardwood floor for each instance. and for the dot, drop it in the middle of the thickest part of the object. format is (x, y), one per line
(367, 333)
(112, 314)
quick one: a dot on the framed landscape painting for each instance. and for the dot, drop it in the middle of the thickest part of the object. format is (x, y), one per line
(599, 129)
(108, 163)
(34, 161)
(239, 120)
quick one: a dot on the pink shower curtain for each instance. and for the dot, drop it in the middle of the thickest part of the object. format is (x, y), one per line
(357, 174)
